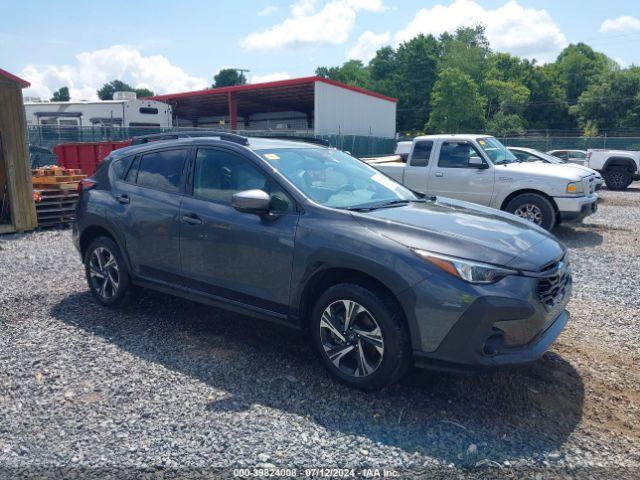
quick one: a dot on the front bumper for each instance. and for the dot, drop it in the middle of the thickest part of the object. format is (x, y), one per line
(576, 208)
(487, 326)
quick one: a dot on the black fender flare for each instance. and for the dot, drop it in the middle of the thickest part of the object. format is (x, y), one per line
(621, 162)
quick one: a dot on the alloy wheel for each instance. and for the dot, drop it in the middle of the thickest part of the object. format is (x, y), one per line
(530, 212)
(104, 273)
(351, 338)
(617, 180)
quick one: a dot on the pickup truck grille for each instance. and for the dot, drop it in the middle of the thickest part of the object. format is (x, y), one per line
(553, 289)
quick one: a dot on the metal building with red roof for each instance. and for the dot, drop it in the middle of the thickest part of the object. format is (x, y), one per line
(313, 104)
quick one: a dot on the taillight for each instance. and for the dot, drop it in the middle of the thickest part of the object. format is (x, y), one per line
(86, 184)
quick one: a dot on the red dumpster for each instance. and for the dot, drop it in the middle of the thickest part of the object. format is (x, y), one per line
(85, 155)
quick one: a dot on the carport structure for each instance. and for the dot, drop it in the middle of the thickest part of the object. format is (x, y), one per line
(309, 103)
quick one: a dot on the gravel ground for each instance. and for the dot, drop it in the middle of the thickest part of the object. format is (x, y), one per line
(169, 387)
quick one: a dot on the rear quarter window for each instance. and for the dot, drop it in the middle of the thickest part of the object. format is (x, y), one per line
(120, 167)
(162, 170)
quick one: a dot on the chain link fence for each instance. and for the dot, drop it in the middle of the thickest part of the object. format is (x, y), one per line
(573, 143)
(43, 139)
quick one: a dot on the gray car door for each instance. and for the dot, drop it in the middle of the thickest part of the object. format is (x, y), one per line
(238, 256)
(149, 200)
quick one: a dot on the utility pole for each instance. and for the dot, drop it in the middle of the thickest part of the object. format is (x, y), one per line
(241, 71)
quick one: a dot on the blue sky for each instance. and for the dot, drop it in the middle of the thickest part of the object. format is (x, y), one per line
(177, 46)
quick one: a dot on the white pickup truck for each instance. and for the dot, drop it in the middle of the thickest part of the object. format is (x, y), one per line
(480, 169)
(618, 167)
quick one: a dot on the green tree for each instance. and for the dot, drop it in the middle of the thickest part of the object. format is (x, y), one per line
(228, 77)
(612, 103)
(506, 97)
(466, 50)
(352, 72)
(143, 92)
(61, 95)
(108, 89)
(548, 107)
(579, 66)
(416, 73)
(457, 104)
(503, 124)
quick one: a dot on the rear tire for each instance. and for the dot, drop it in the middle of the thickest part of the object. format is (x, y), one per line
(617, 178)
(370, 351)
(107, 275)
(535, 208)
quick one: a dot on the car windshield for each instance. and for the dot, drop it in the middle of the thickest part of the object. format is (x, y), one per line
(498, 153)
(334, 179)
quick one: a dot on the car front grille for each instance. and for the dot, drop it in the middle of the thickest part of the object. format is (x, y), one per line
(554, 288)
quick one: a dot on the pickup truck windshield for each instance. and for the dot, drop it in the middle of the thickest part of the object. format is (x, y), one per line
(335, 179)
(498, 153)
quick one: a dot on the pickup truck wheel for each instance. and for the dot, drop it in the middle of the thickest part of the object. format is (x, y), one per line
(107, 273)
(534, 208)
(361, 336)
(617, 178)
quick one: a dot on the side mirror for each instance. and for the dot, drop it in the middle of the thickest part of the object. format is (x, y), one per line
(252, 201)
(477, 162)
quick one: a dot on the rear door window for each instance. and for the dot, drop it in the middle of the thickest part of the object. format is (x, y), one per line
(421, 154)
(162, 170)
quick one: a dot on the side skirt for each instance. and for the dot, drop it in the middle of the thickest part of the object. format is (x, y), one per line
(216, 301)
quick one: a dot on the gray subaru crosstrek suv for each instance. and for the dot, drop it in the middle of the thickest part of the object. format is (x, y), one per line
(310, 237)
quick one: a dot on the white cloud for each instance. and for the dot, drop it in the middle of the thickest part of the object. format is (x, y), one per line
(368, 44)
(271, 9)
(93, 69)
(307, 24)
(527, 32)
(269, 77)
(624, 23)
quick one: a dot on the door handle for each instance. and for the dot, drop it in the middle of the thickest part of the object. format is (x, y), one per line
(192, 219)
(439, 174)
(123, 199)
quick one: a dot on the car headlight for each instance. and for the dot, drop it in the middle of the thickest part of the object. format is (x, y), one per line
(467, 270)
(575, 187)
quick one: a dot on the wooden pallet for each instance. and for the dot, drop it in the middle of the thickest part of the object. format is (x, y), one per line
(55, 195)
(56, 178)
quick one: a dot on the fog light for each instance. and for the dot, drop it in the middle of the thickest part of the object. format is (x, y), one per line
(493, 344)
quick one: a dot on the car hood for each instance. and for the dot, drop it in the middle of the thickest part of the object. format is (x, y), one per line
(581, 169)
(549, 170)
(465, 230)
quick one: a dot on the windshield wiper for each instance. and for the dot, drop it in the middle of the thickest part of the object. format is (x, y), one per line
(389, 204)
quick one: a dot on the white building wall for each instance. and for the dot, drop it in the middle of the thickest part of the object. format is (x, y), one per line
(352, 113)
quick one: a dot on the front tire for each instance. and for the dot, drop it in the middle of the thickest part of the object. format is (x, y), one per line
(106, 273)
(361, 336)
(535, 208)
(617, 178)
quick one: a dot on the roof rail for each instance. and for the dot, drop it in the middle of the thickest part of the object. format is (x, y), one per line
(317, 141)
(154, 137)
